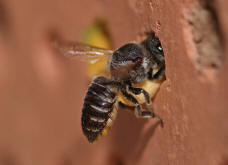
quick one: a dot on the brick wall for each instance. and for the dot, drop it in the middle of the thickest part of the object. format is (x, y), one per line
(42, 93)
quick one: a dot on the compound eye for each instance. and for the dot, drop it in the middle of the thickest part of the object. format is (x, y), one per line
(159, 48)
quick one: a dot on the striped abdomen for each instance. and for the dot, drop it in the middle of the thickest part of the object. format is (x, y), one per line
(99, 108)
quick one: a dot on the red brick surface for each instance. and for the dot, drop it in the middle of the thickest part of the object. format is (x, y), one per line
(42, 93)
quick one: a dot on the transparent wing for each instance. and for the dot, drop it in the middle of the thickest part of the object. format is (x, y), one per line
(83, 52)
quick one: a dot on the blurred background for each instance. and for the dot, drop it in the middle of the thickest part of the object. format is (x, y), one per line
(41, 92)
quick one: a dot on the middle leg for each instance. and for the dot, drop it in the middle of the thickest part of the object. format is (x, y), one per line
(139, 112)
(138, 91)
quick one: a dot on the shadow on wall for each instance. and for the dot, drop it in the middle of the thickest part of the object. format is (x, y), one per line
(3, 18)
(225, 160)
(129, 139)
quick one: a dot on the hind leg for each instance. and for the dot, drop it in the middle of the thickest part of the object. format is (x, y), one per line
(139, 112)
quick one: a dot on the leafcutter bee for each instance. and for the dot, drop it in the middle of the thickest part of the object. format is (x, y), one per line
(132, 77)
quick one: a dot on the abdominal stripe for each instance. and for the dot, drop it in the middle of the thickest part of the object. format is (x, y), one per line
(100, 109)
(98, 106)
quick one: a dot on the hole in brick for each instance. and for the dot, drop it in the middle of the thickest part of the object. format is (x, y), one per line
(206, 34)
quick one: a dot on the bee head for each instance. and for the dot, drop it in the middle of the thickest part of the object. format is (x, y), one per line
(153, 46)
(128, 63)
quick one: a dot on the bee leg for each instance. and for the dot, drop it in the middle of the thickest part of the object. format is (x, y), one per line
(138, 109)
(138, 91)
(133, 100)
(159, 75)
(148, 114)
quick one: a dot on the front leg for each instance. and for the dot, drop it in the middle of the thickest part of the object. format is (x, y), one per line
(158, 75)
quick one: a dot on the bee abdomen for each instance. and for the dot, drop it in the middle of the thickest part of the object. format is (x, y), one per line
(98, 107)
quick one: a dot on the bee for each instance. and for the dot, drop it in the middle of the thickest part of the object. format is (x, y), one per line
(132, 77)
